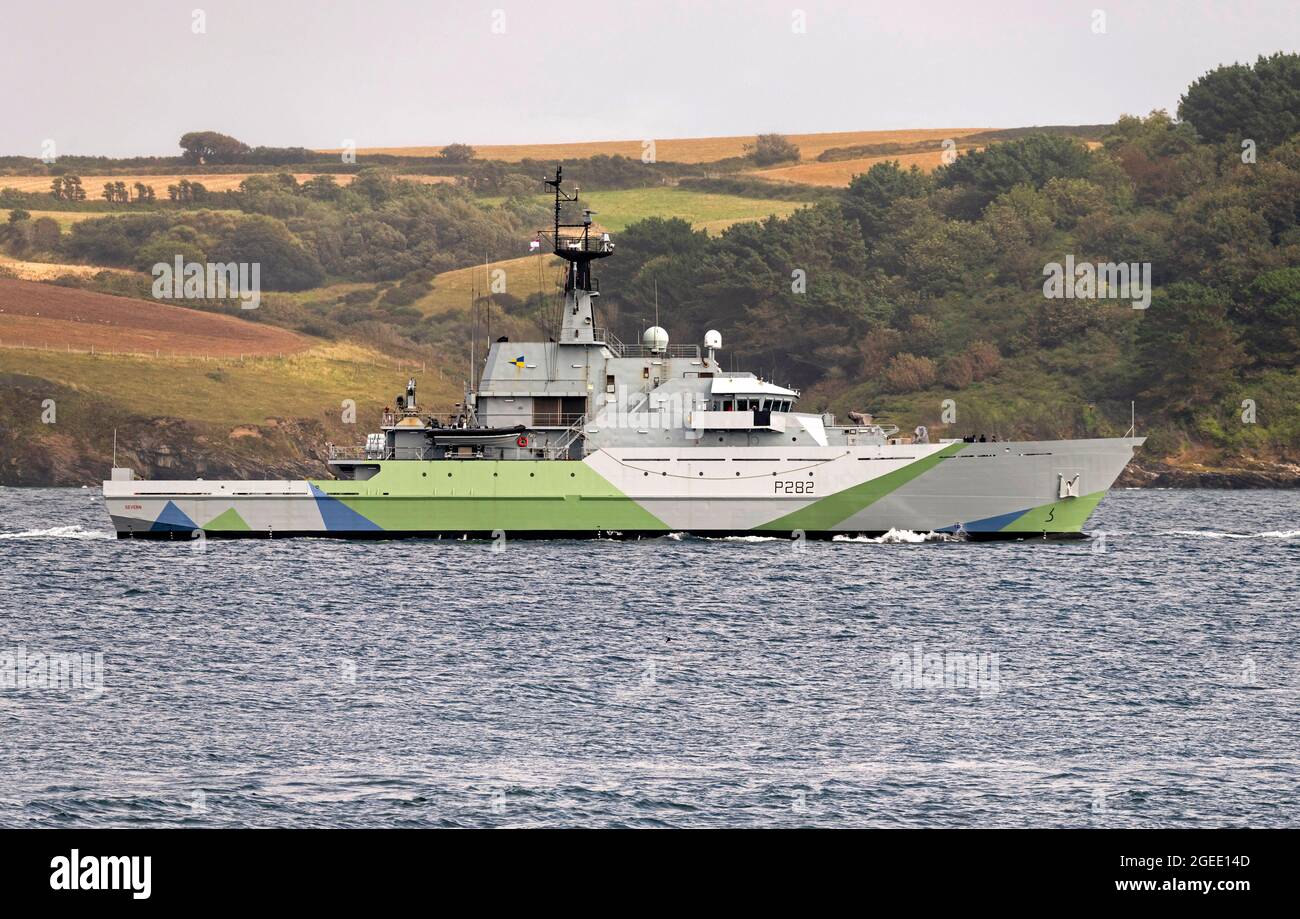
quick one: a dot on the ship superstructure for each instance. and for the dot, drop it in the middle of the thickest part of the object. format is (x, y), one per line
(583, 435)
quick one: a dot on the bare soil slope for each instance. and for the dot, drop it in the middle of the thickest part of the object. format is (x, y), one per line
(45, 315)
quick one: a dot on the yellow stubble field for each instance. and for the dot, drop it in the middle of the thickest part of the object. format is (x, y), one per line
(94, 184)
(689, 149)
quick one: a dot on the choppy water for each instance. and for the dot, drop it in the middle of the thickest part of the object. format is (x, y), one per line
(667, 682)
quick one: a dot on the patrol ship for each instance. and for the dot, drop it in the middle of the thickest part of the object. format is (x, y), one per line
(586, 436)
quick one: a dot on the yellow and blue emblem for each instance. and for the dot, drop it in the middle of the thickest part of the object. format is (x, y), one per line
(519, 362)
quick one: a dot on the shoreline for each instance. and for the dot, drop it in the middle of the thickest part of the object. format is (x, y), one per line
(1258, 475)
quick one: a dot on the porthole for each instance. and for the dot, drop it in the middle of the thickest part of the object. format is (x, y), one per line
(531, 474)
(449, 475)
(572, 474)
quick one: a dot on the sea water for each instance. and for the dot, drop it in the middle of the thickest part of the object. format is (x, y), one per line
(1145, 677)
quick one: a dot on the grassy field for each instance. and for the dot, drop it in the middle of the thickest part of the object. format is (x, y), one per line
(45, 271)
(65, 219)
(686, 150)
(704, 211)
(329, 291)
(617, 209)
(840, 172)
(223, 392)
(453, 290)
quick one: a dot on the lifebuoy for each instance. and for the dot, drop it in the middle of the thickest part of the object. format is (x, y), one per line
(522, 440)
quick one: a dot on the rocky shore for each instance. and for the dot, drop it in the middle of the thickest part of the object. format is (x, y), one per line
(1248, 474)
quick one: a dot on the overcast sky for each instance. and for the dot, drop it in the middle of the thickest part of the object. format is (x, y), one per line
(130, 78)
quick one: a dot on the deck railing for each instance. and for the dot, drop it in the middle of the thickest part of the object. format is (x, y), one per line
(612, 342)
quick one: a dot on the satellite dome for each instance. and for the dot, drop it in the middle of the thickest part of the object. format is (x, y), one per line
(655, 338)
(713, 339)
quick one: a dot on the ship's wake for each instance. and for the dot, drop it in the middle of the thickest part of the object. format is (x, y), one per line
(1207, 534)
(64, 532)
(1212, 534)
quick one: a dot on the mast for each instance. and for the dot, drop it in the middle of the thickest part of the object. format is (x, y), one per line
(579, 247)
(574, 242)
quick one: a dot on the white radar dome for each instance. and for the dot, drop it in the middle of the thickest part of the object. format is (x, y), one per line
(655, 338)
(713, 339)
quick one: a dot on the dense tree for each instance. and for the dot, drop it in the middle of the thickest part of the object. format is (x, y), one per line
(1160, 156)
(1260, 102)
(770, 149)
(165, 246)
(909, 372)
(375, 184)
(1273, 317)
(187, 192)
(457, 153)
(285, 264)
(211, 147)
(46, 234)
(116, 193)
(17, 236)
(113, 240)
(322, 188)
(979, 176)
(277, 156)
(871, 194)
(1187, 349)
(67, 188)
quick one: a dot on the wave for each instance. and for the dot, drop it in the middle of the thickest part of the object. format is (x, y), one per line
(899, 536)
(1212, 534)
(892, 537)
(64, 532)
(693, 536)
